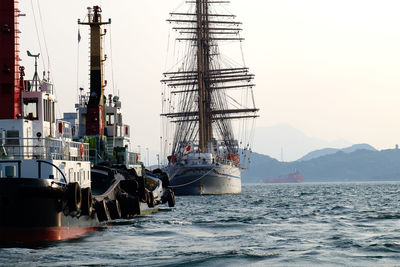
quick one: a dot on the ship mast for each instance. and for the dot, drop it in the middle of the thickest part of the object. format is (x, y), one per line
(95, 118)
(11, 80)
(205, 80)
(203, 61)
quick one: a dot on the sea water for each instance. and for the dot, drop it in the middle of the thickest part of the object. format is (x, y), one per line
(340, 224)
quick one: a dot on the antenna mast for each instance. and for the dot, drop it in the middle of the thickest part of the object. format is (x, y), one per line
(95, 119)
(35, 78)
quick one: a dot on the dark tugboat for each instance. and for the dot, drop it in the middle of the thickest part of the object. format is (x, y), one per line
(121, 186)
(45, 180)
(49, 190)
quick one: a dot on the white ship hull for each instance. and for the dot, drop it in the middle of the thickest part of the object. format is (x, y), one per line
(208, 179)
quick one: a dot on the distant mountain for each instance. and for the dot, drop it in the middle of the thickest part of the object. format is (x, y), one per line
(359, 165)
(328, 151)
(293, 143)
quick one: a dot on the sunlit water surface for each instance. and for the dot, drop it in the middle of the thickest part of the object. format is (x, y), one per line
(354, 224)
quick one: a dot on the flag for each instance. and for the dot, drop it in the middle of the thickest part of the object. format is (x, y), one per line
(79, 36)
(187, 149)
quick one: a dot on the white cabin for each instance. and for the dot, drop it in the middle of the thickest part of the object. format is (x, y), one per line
(39, 146)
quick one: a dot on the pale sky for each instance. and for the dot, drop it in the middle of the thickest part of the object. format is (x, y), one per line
(328, 68)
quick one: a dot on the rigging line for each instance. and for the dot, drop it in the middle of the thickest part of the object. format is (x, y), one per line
(37, 33)
(77, 67)
(112, 63)
(229, 60)
(241, 49)
(166, 58)
(179, 6)
(77, 60)
(178, 61)
(44, 38)
(224, 7)
(234, 100)
(252, 98)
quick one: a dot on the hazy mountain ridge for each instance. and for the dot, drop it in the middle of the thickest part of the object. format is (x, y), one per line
(284, 141)
(328, 151)
(359, 165)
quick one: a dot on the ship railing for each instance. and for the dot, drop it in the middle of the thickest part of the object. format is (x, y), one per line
(224, 160)
(36, 86)
(43, 148)
(132, 158)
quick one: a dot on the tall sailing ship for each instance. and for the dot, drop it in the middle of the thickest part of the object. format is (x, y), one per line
(204, 99)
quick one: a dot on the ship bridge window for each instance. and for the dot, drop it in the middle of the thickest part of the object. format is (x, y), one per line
(31, 108)
(48, 110)
(67, 130)
(110, 119)
(12, 137)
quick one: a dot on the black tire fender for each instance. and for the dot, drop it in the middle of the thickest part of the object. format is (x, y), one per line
(171, 198)
(151, 200)
(130, 206)
(74, 197)
(102, 211)
(114, 209)
(87, 201)
(123, 203)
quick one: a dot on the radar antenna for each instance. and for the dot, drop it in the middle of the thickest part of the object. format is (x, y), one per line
(35, 79)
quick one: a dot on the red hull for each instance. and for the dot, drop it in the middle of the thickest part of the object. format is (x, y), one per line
(42, 234)
(31, 211)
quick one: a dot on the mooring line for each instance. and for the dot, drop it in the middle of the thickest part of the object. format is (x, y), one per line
(181, 185)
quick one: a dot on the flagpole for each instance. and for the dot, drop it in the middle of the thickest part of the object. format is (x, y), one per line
(77, 67)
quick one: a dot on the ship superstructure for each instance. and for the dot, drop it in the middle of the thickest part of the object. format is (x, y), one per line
(198, 101)
(99, 118)
(45, 177)
(98, 121)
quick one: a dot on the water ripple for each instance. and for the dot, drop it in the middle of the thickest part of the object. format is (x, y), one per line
(351, 224)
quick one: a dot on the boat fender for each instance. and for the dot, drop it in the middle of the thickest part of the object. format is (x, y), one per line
(130, 205)
(129, 186)
(171, 198)
(114, 209)
(151, 202)
(74, 197)
(165, 179)
(102, 211)
(143, 193)
(123, 203)
(134, 205)
(81, 151)
(87, 201)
